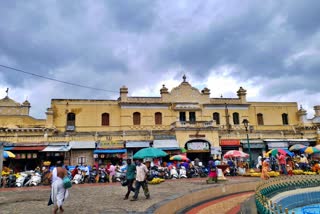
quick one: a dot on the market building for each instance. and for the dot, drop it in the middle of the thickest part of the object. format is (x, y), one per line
(91, 131)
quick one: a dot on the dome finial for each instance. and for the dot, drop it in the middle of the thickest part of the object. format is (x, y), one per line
(184, 78)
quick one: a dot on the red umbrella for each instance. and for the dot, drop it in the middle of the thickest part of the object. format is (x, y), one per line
(235, 154)
(179, 158)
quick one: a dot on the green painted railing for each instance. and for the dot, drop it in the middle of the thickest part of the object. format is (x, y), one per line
(269, 188)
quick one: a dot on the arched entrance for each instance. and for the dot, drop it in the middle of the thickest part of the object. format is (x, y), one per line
(198, 148)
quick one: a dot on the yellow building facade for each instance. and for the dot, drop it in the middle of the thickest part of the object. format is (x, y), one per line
(184, 117)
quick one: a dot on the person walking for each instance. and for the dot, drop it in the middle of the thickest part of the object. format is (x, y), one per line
(141, 180)
(130, 176)
(282, 163)
(112, 172)
(58, 192)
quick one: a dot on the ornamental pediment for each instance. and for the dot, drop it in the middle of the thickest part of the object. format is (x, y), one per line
(7, 102)
(187, 94)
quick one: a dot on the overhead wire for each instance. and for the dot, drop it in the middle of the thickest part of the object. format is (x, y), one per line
(56, 80)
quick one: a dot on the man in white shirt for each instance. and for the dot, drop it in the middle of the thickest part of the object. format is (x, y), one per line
(141, 180)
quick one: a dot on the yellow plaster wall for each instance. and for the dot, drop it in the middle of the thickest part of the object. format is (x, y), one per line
(20, 121)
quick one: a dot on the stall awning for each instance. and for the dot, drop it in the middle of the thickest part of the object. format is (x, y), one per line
(169, 144)
(27, 148)
(56, 149)
(7, 148)
(82, 144)
(109, 151)
(137, 144)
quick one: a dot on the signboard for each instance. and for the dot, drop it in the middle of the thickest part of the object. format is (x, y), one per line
(229, 142)
(198, 146)
(216, 150)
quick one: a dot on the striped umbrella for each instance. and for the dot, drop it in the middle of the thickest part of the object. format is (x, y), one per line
(297, 147)
(8, 154)
(310, 150)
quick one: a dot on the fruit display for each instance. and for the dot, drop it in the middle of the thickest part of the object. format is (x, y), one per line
(255, 174)
(273, 174)
(47, 163)
(297, 172)
(309, 173)
(156, 181)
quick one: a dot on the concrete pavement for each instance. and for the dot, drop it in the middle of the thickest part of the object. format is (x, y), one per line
(102, 198)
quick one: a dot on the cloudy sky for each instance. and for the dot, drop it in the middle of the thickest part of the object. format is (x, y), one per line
(271, 48)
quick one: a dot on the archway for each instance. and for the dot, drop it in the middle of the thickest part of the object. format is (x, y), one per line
(198, 148)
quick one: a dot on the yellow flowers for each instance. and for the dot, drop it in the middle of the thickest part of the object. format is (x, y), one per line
(297, 172)
(273, 174)
(156, 181)
(47, 163)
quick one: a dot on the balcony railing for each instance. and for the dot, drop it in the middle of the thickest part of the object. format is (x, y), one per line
(196, 124)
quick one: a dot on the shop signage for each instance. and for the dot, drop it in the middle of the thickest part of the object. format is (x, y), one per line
(229, 142)
(111, 144)
(198, 146)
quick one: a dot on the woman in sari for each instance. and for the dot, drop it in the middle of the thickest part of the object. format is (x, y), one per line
(265, 169)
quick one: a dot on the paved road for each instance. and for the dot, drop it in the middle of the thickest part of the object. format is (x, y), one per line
(100, 198)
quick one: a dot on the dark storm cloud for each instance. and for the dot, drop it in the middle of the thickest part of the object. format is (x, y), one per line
(107, 44)
(256, 43)
(133, 16)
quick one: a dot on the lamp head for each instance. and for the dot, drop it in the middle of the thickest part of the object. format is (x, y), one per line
(245, 123)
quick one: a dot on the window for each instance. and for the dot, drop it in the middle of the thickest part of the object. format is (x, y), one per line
(285, 120)
(192, 117)
(182, 116)
(236, 120)
(136, 118)
(105, 119)
(216, 117)
(71, 121)
(260, 119)
(158, 118)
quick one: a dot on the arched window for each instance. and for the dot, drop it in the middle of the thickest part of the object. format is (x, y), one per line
(216, 117)
(260, 119)
(71, 121)
(285, 120)
(105, 119)
(136, 118)
(158, 118)
(235, 117)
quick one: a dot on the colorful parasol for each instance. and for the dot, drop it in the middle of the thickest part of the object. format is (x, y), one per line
(310, 150)
(235, 154)
(180, 158)
(274, 152)
(8, 154)
(149, 153)
(297, 147)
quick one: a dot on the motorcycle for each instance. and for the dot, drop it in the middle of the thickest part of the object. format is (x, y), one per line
(174, 173)
(163, 172)
(92, 176)
(35, 179)
(11, 180)
(102, 176)
(192, 173)
(20, 180)
(78, 178)
(182, 172)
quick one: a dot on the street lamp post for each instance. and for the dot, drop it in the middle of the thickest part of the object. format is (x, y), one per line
(246, 124)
